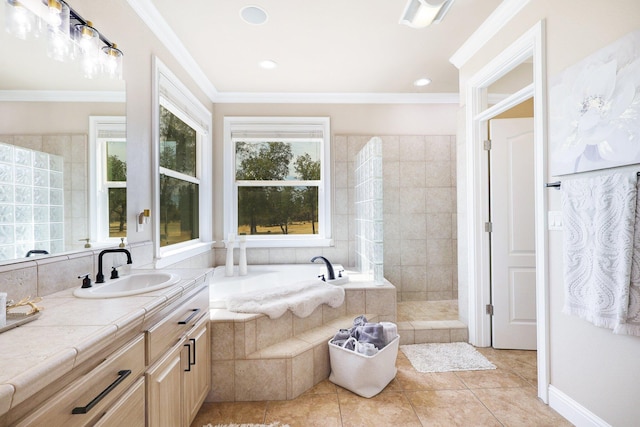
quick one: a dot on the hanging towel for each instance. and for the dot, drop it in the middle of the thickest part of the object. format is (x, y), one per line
(632, 324)
(599, 215)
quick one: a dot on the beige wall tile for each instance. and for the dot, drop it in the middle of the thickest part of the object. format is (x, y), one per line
(222, 341)
(412, 148)
(355, 301)
(321, 362)
(19, 280)
(271, 331)
(302, 373)
(59, 273)
(412, 173)
(432, 335)
(260, 380)
(222, 382)
(302, 324)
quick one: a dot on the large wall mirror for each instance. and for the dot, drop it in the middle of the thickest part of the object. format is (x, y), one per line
(62, 152)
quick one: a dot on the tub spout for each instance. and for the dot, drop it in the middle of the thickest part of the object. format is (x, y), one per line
(330, 272)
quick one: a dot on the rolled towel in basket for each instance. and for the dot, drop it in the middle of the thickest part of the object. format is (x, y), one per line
(390, 331)
(371, 333)
(341, 337)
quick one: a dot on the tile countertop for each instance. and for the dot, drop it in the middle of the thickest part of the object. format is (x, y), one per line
(71, 330)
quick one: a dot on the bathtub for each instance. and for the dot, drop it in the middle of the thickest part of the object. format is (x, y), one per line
(261, 277)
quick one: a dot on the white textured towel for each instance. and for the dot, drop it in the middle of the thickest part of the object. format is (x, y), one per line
(599, 216)
(301, 298)
(631, 326)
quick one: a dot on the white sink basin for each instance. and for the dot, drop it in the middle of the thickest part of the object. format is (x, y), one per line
(133, 284)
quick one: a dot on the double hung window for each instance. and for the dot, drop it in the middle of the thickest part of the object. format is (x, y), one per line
(183, 156)
(277, 180)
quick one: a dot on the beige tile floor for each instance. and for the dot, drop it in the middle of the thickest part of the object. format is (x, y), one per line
(502, 397)
(505, 396)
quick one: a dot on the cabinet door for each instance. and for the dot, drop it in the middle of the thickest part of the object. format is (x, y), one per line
(128, 411)
(197, 374)
(164, 390)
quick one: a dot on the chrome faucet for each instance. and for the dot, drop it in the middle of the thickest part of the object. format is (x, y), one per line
(330, 272)
(100, 276)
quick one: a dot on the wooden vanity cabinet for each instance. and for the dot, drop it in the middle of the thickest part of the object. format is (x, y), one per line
(196, 378)
(159, 377)
(86, 400)
(180, 378)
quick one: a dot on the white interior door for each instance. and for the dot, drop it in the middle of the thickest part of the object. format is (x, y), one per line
(513, 257)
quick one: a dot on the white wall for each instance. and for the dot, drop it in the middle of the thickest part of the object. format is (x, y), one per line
(597, 370)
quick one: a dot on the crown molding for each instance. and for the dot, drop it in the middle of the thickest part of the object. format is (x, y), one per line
(335, 98)
(154, 20)
(62, 96)
(489, 28)
(157, 24)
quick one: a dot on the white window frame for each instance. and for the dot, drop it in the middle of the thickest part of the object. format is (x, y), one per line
(286, 125)
(172, 94)
(102, 129)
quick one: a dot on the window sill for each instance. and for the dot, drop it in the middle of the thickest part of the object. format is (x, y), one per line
(287, 243)
(169, 257)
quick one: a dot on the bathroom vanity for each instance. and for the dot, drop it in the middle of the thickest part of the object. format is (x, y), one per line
(134, 361)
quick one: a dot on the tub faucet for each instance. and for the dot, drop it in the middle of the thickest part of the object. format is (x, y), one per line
(330, 272)
(100, 276)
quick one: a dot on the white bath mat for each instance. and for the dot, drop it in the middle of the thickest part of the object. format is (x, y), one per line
(457, 356)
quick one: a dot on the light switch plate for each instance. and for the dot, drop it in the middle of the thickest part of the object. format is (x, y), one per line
(555, 220)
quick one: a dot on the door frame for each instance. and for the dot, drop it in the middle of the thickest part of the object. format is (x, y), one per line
(530, 45)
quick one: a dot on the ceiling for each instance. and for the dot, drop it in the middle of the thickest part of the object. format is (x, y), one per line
(321, 47)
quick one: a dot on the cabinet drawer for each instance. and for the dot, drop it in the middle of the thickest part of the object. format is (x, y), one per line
(90, 396)
(128, 411)
(167, 332)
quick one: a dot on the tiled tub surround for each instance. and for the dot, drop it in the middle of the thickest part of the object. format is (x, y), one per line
(72, 331)
(420, 239)
(257, 358)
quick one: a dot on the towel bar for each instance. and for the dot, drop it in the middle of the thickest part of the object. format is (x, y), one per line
(558, 184)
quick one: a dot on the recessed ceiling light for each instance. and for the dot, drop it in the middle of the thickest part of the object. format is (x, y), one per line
(422, 82)
(253, 15)
(268, 64)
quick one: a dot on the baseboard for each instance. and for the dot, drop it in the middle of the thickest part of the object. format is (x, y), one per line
(573, 411)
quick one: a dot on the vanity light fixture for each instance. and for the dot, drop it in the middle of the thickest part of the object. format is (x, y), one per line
(422, 13)
(69, 35)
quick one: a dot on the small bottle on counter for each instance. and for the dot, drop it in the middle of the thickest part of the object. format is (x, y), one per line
(228, 270)
(242, 262)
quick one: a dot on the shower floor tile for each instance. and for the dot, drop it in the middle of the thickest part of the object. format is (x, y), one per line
(427, 310)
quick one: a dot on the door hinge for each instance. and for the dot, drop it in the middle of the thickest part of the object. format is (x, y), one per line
(488, 227)
(489, 308)
(487, 144)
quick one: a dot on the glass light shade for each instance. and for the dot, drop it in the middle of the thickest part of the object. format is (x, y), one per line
(112, 61)
(19, 21)
(87, 41)
(58, 40)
